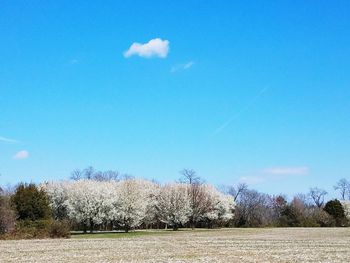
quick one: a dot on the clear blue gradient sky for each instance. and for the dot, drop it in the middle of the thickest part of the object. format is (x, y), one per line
(254, 91)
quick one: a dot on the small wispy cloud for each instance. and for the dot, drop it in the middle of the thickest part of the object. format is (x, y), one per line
(8, 140)
(153, 48)
(21, 155)
(252, 179)
(188, 65)
(181, 67)
(274, 173)
(303, 170)
(73, 61)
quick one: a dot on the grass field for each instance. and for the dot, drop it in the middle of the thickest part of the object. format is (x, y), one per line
(226, 245)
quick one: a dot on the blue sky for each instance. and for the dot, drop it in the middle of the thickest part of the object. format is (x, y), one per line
(255, 92)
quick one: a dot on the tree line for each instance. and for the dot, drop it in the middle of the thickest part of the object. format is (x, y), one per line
(107, 200)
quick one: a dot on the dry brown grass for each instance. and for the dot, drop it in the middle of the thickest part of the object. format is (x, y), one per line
(227, 245)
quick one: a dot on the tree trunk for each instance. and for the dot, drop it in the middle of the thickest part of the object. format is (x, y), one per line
(192, 223)
(91, 226)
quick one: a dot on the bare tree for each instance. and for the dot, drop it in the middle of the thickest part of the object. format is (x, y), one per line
(7, 218)
(196, 194)
(190, 177)
(236, 191)
(91, 174)
(76, 175)
(106, 175)
(343, 186)
(317, 195)
(302, 198)
(253, 209)
(278, 204)
(7, 213)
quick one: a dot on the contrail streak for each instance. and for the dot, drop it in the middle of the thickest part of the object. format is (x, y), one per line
(238, 114)
(7, 140)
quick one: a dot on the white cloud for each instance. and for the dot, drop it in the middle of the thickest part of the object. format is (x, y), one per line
(302, 170)
(21, 155)
(7, 140)
(182, 66)
(154, 48)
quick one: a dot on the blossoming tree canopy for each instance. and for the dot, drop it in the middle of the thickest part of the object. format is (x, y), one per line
(132, 202)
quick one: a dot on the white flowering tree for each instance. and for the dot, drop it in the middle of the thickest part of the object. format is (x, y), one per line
(218, 206)
(57, 192)
(207, 203)
(173, 204)
(132, 202)
(151, 216)
(225, 208)
(346, 207)
(90, 202)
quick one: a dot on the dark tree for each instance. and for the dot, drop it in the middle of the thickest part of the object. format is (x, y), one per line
(30, 202)
(336, 210)
(278, 204)
(289, 217)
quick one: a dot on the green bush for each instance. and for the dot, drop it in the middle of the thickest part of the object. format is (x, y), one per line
(309, 222)
(37, 224)
(27, 229)
(289, 217)
(322, 218)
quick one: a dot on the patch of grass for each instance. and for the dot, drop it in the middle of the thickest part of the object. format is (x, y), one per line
(137, 233)
(115, 234)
